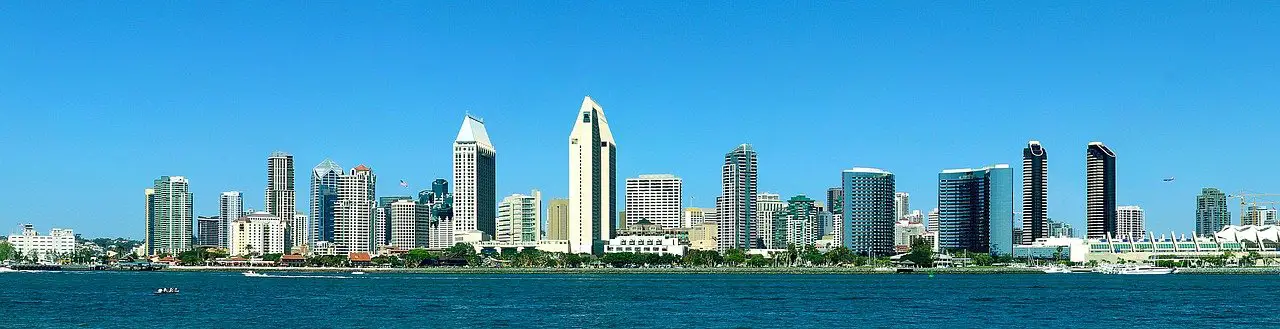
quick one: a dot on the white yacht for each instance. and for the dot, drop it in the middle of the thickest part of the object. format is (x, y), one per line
(254, 274)
(1055, 269)
(1146, 270)
(357, 273)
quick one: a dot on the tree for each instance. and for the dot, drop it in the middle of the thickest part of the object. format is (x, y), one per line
(981, 259)
(620, 259)
(921, 253)
(415, 257)
(735, 256)
(812, 255)
(756, 260)
(6, 251)
(838, 256)
(272, 257)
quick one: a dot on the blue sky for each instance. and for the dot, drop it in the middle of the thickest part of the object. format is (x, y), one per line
(98, 99)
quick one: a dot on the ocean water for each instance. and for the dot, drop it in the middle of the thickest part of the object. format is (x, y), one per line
(230, 300)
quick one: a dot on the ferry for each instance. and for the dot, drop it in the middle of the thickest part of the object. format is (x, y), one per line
(254, 274)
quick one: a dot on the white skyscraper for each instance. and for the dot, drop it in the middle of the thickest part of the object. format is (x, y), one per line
(407, 230)
(169, 216)
(520, 218)
(933, 220)
(230, 208)
(281, 199)
(474, 192)
(1130, 222)
(656, 198)
(769, 204)
(259, 233)
(354, 212)
(592, 176)
(901, 205)
(694, 217)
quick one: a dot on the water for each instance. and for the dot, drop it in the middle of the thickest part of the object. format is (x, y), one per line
(230, 300)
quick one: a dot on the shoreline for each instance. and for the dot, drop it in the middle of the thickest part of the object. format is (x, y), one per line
(691, 270)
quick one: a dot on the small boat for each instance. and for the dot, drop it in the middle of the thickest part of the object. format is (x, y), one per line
(7, 270)
(254, 274)
(357, 273)
(1055, 269)
(166, 291)
(1144, 270)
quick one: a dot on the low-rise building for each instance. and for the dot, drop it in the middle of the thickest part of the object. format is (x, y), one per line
(905, 232)
(43, 248)
(703, 236)
(646, 245)
(1070, 249)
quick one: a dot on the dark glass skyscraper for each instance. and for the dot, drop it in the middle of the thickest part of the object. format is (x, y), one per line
(867, 213)
(1211, 211)
(1035, 193)
(975, 209)
(1100, 182)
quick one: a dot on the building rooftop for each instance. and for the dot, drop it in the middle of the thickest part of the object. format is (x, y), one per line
(867, 170)
(473, 131)
(280, 154)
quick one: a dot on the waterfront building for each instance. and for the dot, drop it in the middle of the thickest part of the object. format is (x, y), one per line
(868, 218)
(259, 233)
(769, 205)
(1035, 192)
(43, 248)
(558, 219)
(474, 174)
(798, 224)
(520, 218)
(1258, 215)
(644, 227)
(643, 244)
(904, 233)
(281, 199)
(324, 194)
(1017, 235)
(435, 206)
(1054, 248)
(170, 217)
(932, 225)
(1060, 229)
(1130, 222)
(835, 199)
(593, 196)
(407, 229)
(696, 216)
(736, 206)
(901, 205)
(382, 224)
(230, 207)
(655, 198)
(354, 211)
(703, 236)
(1211, 211)
(1100, 181)
(208, 230)
(976, 209)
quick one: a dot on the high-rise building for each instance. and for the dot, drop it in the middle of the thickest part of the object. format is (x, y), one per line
(208, 228)
(230, 208)
(736, 206)
(1211, 212)
(868, 218)
(901, 205)
(520, 218)
(1258, 215)
(406, 230)
(835, 199)
(382, 225)
(593, 196)
(976, 209)
(914, 217)
(435, 206)
(324, 193)
(258, 233)
(354, 210)
(1100, 213)
(474, 172)
(281, 199)
(170, 216)
(694, 217)
(768, 205)
(1060, 229)
(1035, 192)
(558, 219)
(932, 225)
(798, 224)
(1130, 222)
(655, 198)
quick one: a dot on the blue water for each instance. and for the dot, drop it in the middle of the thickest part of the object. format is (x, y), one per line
(230, 300)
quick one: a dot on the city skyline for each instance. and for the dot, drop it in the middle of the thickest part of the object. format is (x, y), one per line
(672, 105)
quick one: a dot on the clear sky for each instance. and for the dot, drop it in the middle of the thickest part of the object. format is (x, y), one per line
(98, 99)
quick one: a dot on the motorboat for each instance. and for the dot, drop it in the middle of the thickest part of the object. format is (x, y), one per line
(1055, 270)
(7, 270)
(254, 274)
(1142, 270)
(357, 273)
(166, 291)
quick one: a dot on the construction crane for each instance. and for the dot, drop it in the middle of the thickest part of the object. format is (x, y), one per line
(1254, 201)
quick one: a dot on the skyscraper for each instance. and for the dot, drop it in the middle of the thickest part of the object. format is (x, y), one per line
(558, 219)
(593, 196)
(1060, 229)
(171, 220)
(656, 198)
(1100, 211)
(1130, 222)
(149, 240)
(797, 224)
(976, 209)
(281, 199)
(258, 233)
(435, 206)
(382, 225)
(901, 205)
(932, 225)
(1211, 212)
(1035, 192)
(835, 199)
(406, 231)
(208, 229)
(1258, 215)
(230, 208)
(474, 194)
(354, 212)
(868, 211)
(736, 206)
(768, 204)
(324, 193)
(520, 218)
